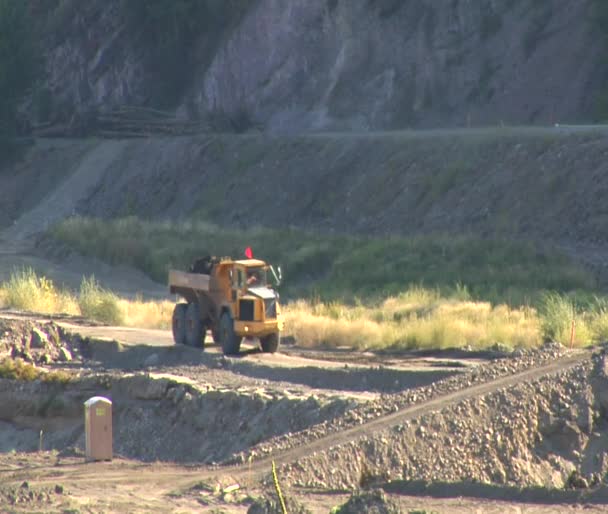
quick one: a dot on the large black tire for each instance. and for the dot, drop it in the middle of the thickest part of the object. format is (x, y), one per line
(270, 343)
(195, 328)
(231, 343)
(178, 323)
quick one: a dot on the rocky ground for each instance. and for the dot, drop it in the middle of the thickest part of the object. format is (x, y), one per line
(530, 421)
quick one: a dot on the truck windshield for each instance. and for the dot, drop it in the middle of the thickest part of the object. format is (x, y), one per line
(257, 277)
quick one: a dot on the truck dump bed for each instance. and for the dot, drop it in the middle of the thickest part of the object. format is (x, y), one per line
(184, 280)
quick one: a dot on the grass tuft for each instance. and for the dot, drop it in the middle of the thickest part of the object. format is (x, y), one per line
(418, 318)
(98, 303)
(27, 291)
(18, 369)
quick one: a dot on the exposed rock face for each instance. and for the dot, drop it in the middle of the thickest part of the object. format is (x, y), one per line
(337, 64)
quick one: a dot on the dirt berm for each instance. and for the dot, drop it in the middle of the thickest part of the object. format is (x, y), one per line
(549, 432)
(543, 183)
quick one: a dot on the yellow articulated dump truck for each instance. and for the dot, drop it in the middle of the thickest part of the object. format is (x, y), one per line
(232, 298)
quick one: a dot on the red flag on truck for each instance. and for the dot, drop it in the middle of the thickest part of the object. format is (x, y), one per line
(248, 252)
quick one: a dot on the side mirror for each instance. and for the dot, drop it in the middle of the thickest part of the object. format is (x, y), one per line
(278, 277)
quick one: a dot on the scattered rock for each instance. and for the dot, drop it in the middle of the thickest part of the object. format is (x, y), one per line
(576, 481)
(65, 355)
(38, 339)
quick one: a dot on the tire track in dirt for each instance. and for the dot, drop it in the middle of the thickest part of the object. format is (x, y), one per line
(182, 477)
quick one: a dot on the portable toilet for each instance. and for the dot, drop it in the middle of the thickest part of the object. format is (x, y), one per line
(98, 428)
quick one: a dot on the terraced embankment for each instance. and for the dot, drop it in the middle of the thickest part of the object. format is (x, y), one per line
(531, 419)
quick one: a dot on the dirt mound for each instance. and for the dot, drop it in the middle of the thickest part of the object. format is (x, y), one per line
(389, 403)
(533, 434)
(158, 417)
(372, 502)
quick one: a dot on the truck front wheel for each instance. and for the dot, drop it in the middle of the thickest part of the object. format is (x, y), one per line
(231, 343)
(178, 323)
(270, 343)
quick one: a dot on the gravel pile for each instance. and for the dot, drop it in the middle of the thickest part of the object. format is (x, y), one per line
(161, 417)
(167, 418)
(386, 404)
(550, 432)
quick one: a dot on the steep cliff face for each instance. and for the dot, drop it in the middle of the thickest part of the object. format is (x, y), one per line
(302, 65)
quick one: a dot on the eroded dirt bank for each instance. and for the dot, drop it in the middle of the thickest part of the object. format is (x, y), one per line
(546, 184)
(534, 418)
(549, 432)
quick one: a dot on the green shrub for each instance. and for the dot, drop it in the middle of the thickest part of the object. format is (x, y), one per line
(17, 369)
(27, 291)
(98, 303)
(338, 267)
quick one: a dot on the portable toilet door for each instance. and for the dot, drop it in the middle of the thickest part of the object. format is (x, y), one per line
(98, 428)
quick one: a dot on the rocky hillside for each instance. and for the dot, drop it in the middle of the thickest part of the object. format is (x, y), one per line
(308, 65)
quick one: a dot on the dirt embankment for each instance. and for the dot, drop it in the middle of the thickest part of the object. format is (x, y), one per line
(549, 432)
(532, 431)
(540, 184)
(535, 418)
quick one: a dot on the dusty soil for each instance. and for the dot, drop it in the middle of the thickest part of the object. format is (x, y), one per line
(188, 425)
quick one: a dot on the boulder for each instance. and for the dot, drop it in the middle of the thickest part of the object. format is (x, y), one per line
(65, 355)
(38, 339)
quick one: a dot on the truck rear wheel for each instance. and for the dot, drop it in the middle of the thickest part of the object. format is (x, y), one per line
(231, 343)
(178, 323)
(195, 328)
(270, 343)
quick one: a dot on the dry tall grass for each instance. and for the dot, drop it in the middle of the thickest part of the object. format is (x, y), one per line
(419, 318)
(416, 318)
(27, 291)
(146, 314)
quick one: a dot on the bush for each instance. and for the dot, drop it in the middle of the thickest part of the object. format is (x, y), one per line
(417, 318)
(338, 267)
(17, 369)
(26, 291)
(590, 316)
(98, 303)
